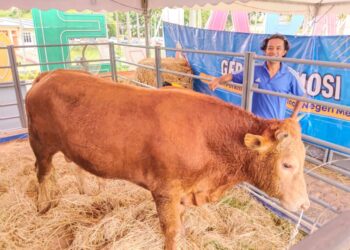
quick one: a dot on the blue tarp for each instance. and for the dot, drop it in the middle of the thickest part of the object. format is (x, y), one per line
(321, 83)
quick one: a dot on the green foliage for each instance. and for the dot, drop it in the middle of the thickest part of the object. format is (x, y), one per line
(205, 16)
(91, 52)
(16, 13)
(28, 74)
(110, 20)
(256, 17)
(122, 27)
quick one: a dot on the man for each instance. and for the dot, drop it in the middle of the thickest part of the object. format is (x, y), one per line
(272, 75)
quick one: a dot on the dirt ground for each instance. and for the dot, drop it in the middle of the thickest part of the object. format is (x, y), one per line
(122, 216)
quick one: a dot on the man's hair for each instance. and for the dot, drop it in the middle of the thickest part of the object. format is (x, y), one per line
(275, 36)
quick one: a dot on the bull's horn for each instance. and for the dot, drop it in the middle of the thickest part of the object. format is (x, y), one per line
(299, 117)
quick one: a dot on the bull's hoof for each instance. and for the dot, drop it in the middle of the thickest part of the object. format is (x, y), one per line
(44, 203)
(44, 207)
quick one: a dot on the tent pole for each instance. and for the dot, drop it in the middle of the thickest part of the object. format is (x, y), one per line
(144, 4)
(314, 19)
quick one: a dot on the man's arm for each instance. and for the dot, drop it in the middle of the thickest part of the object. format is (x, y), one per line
(296, 109)
(298, 91)
(215, 83)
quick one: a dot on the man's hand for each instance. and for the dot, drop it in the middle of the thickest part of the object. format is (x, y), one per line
(214, 83)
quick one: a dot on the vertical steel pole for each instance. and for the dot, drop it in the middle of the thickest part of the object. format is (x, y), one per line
(16, 81)
(245, 77)
(158, 66)
(248, 81)
(112, 61)
(147, 34)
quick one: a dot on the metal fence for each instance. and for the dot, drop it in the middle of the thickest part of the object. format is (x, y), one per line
(308, 223)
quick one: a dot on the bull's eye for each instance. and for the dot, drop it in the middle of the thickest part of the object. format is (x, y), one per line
(286, 165)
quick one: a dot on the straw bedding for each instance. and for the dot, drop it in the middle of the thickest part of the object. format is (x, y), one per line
(121, 215)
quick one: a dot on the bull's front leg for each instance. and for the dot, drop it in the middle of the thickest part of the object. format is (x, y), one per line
(170, 213)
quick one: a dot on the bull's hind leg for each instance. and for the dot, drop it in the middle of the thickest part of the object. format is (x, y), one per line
(48, 192)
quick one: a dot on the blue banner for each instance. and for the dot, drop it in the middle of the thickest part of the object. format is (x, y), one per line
(321, 83)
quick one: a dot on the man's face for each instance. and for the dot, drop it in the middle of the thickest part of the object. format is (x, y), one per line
(275, 48)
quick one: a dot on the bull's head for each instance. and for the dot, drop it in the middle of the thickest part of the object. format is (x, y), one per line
(279, 164)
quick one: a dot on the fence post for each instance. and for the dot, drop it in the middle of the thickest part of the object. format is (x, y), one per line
(158, 66)
(147, 35)
(17, 85)
(248, 80)
(112, 61)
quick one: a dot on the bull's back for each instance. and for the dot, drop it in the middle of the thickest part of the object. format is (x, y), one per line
(119, 131)
(113, 130)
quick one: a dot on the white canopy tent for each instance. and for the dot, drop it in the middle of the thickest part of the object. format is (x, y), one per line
(284, 7)
(309, 8)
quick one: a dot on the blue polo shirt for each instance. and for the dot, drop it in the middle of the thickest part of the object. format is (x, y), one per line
(268, 106)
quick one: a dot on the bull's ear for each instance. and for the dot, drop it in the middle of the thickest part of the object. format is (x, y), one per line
(281, 135)
(257, 142)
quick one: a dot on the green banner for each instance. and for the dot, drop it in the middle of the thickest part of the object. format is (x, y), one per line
(57, 27)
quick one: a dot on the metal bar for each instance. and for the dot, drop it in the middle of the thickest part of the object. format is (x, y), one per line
(257, 57)
(305, 61)
(324, 204)
(9, 117)
(27, 83)
(6, 85)
(57, 45)
(8, 104)
(327, 180)
(184, 74)
(279, 207)
(137, 82)
(197, 77)
(174, 72)
(208, 52)
(328, 166)
(303, 99)
(147, 33)
(112, 61)
(5, 67)
(136, 64)
(158, 62)
(134, 45)
(66, 62)
(15, 77)
(326, 144)
(11, 84)
(305, 222)
(248, 81)
(245, 80)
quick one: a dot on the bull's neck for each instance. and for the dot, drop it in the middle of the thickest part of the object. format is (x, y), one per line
(227, 144)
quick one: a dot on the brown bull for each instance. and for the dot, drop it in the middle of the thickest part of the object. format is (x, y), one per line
(186, 148)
